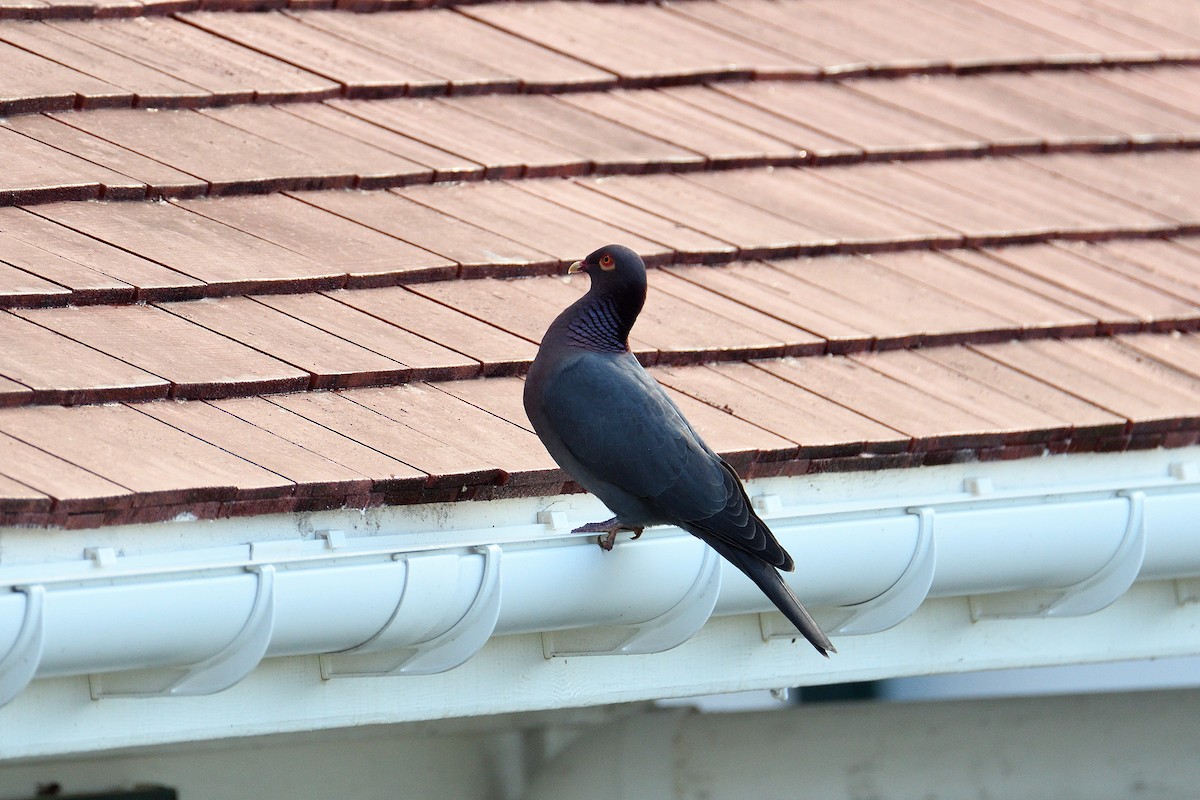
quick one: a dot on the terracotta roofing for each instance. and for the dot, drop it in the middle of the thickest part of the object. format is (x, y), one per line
(264, 256)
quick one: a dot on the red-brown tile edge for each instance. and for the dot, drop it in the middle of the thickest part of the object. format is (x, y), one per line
(39, 195)
(219, 391)
(517, 367)
(221, 502)
(108, 394)
(25, 505)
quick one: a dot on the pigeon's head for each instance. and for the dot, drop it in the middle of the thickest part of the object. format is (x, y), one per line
(603, 317)
(613, 268)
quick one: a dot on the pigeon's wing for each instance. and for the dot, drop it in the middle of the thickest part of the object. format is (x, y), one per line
(735, 523)
(620, 425)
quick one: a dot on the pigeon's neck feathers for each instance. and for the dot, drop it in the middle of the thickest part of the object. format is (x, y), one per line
(601, 320)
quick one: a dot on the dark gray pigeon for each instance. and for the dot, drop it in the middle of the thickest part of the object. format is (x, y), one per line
(617, 433)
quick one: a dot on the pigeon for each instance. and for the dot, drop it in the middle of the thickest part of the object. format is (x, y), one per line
(614, 430)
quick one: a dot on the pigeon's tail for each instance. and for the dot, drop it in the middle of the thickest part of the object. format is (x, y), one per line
(771, 583)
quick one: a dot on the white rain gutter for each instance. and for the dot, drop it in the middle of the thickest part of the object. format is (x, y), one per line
(198, 621)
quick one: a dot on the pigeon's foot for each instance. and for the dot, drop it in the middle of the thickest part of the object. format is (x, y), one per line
(610, 528)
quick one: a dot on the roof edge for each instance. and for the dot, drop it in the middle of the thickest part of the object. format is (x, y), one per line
(415, 593)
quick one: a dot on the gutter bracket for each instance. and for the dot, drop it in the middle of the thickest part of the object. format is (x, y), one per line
(905, 596)
(1088, 595)
(666, 631)
(443, 652)
(214, 674)
(1187, 590)
(19, 664)
(897, 603)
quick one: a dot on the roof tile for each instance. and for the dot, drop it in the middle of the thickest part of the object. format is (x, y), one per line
(925, 314)
(647, 43)
(755, 232)
(355, 118)
(227, 158)
(1157, 182)
(312, 473)
(460, 426)
(230, 72)
(17, 497)
(572, 122)
(24, 289)
(1171, 87)
(688, 244)
(476, 250)
(1094, 371)
(442, 462)
(208, 251)
(1179, 352)
(820, 426)
(149, 279)
(39, 173)
(214, 366)
(370, 165)
(462, 49)
(850, 219)
(1020, 421)
(722, 100)
(331, 361)
(33, 83)
(929, 421)
(526, 218)
(59, 369)
(145, 176)
(283, 38)
(1063, 207)
(943, 272)
(424, 358)
(746, 20)
(1067, 268)
(171, 467)
(143, 85)
(72, 487)
(387, 474)
(1087, 419)
(13, 393)
(837, 111)
(444, 124)
(342, 246)
(1093, 35)
(707, 138)
(780, 294)
(498, 351)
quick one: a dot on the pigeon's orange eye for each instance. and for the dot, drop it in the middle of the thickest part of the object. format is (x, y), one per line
(606, 262)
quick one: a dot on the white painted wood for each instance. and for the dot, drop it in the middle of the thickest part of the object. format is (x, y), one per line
(1100, 747)
(385, 765)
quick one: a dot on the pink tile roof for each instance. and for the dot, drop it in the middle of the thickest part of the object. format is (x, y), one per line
(258, 258)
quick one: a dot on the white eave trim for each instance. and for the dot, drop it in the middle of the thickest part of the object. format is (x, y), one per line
(181, 610)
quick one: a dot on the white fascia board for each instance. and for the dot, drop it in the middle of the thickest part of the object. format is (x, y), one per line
(1102, 747)
(961, 567)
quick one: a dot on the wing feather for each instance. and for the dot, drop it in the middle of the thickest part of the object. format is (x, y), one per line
(620, 424)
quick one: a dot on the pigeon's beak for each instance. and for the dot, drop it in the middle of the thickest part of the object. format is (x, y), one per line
(576, 267)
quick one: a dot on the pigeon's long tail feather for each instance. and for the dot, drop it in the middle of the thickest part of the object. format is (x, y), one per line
(768, 579)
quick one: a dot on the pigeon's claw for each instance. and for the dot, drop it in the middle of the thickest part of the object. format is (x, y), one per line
(606, 542)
